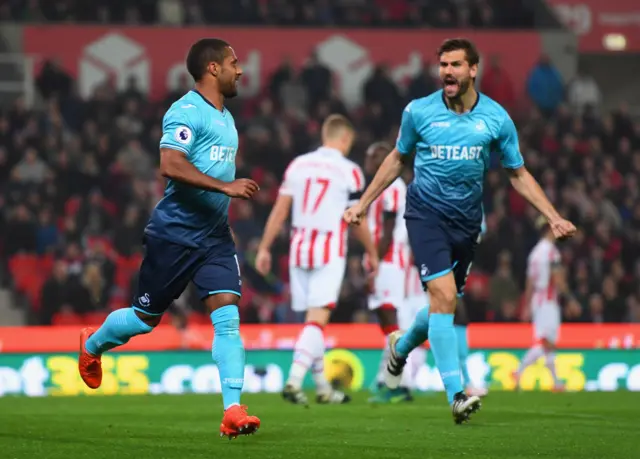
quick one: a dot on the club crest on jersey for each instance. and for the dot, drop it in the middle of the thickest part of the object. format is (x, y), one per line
(480, 126)
(183, 135)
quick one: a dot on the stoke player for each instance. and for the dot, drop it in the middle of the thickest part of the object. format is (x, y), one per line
(453, 132)
(386, 223)
(188, 236)
(317, 188)
(545, 282)
(415, 299)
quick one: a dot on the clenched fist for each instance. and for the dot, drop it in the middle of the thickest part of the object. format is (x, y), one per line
(241, 188)
(354, 215)
(562, 229)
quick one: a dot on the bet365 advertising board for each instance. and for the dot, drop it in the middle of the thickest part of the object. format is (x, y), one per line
(178, 372)
(39, 361)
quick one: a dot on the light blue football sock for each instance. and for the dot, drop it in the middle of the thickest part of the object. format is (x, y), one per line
(416, 335)
(463, 352)
(444, 345)
(118, 328)
(228, 353)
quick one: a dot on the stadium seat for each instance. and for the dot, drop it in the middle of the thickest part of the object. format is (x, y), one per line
(67, 318)
(94, 318)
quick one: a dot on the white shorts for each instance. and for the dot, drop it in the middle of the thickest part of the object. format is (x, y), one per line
(388, 287)
(316, 288)
(409, 310)
(546, 322)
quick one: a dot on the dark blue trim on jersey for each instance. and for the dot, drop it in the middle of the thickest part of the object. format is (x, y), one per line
(444, 101)
(224, 109)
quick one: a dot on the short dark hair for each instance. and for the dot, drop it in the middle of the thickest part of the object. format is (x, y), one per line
(454, 44)
(202, 52)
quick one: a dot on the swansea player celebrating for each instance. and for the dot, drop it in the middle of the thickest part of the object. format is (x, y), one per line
(188, 237)
(453, 131)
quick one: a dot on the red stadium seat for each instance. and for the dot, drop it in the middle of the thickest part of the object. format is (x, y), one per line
(94, 318)
(67, 318)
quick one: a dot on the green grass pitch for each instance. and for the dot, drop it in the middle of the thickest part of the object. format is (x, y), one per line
(510, 425)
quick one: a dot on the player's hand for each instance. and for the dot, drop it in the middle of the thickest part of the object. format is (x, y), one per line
(562, 228)
(263, 262)
(241, 188)
(354, 215)
(372, 265)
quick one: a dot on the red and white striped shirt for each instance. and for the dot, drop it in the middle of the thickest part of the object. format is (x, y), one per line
(542, 259)
(321, 183)
(391, 200)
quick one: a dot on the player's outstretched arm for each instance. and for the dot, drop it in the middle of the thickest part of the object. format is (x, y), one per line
(524, 183)
(276, 219)
(528, 187)
(175, 166)
(390, 170)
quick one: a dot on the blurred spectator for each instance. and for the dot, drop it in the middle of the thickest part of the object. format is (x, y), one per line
(31, 169)
(545, 86)
(503, 289)
(583, 92)
(91, 294)
(497, 84)
(20, 232)
(54, 80)
(170, 12)
(56, 293)
(47, 235)
(422, 84)
(381, 90)
(317, 78)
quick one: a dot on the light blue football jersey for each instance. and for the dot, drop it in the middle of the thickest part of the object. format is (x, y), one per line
(453, 155)
(208, 136)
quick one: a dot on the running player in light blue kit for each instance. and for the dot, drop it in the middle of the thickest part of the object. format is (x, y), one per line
(188, 238)
(453, 133)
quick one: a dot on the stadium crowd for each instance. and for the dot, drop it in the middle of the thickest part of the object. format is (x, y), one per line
(406, 13)
(78, 179)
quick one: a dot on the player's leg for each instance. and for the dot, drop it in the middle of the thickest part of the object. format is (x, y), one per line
(406, 317)
(444, 292)
(386, 300)
(218, 283)
(429, 250)
(164, 274)
(463, 353)
(315, 291)
(550, 337)
(537, 350)
(309, 340)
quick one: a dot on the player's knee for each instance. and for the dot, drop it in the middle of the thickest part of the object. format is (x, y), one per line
(219, 300)
(151, 321)
(443, 298)
(318, 315)
(547, 345)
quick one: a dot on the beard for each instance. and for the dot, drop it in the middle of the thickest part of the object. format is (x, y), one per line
(230, 91)
(454, 88)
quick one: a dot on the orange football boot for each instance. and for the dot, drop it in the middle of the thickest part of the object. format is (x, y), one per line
(89, 366)
(237, 422)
